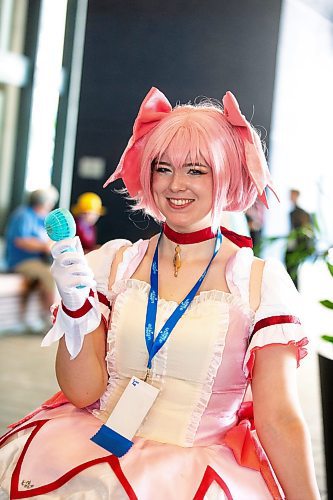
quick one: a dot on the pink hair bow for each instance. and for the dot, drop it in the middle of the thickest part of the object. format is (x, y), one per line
(154, 107)
(254, 155)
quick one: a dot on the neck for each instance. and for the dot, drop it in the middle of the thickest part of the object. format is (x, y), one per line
(185, 247)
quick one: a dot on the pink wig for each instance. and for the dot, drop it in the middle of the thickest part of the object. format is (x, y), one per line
(196, 133)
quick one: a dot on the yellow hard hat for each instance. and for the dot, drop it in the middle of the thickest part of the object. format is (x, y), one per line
(88, 202)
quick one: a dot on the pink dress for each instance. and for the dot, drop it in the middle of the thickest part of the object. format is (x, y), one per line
(198, 440)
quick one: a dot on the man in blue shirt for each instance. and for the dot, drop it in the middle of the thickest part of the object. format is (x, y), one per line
(27, 244)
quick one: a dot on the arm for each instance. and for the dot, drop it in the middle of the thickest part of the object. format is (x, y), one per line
(80, 363)
(84, 378)
(279, 421)
(31, 244)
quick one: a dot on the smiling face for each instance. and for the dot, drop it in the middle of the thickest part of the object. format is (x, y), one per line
(183, 194)
(185, 137)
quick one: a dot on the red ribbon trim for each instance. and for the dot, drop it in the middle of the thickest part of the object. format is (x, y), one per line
(274, 320)
(102, 298)
(113, 462)
(87, 306)
(248, 452)
(79, 312)
(208, 478)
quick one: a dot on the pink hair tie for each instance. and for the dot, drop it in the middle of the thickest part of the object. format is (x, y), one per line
(254, 155)
(153, 109)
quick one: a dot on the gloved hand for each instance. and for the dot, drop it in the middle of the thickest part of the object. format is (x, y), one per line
(72, 275)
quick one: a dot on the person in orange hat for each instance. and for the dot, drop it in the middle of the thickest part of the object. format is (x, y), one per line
(87, 211)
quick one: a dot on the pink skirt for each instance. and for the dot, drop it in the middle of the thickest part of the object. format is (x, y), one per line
(50, 455)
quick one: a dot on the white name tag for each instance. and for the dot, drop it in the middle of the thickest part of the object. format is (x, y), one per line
(132, 407)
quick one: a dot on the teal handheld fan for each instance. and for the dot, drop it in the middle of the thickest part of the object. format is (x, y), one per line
(60, 225)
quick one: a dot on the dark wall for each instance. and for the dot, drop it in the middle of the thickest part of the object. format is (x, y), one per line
(186, 48)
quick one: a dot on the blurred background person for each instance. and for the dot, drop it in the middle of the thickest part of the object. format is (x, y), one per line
(28, 246)
(255, 221)
(301, 239)
(87, 211)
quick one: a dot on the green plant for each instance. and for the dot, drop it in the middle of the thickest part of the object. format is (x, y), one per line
(326, 302)
(300, 245)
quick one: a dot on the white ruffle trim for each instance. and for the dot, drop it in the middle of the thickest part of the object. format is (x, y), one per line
(238, 273)
(113, 375)
(215, 362)
(132, 257)
(282, 334)
(74, 329)
(100, 261)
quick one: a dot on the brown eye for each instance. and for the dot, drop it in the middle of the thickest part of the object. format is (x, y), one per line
(196, 171)
(163, 170)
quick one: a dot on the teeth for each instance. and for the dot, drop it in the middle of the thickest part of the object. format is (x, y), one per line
(178, 202)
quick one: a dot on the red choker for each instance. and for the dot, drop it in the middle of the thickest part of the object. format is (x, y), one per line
(188, 238)
(204, 235)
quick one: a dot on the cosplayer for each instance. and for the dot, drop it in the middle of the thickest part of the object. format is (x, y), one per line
(193, 314)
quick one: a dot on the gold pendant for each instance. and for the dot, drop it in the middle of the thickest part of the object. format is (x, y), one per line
(148, 375)
(177, 260)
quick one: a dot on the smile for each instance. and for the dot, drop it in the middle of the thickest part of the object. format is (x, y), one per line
(180, 202)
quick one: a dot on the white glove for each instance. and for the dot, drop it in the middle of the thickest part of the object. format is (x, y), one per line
(70, 271)
(74, 327)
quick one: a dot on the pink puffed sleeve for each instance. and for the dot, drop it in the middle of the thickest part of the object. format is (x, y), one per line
(278, 318)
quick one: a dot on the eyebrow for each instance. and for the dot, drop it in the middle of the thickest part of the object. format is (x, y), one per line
(185, 165)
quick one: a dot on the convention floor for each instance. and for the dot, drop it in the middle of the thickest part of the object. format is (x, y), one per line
(27, 378)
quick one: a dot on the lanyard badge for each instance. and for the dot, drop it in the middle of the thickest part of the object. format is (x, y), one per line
(153, 346)
(139, 396)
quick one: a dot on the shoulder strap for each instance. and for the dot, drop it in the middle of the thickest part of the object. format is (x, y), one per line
(127, 260)
(114, 265)
(257, 270)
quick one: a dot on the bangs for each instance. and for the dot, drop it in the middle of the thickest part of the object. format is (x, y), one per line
(183, 139)
(187, 145)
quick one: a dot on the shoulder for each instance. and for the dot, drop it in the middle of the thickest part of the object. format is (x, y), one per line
(20, 213)
(238, 270)
(270, 277)
(115, 260)
(129, 257)
(278, 292)
(100, 261)
(151, 245)
(275, 272)
(20, 222)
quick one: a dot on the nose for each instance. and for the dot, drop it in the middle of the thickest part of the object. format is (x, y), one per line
(177, 181)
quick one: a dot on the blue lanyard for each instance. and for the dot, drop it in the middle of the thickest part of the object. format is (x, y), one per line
(153, 346)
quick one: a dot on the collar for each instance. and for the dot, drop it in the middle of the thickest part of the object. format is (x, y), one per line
(204, 235)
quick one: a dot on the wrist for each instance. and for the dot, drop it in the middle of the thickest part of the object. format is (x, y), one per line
(75, 308)
(79, 311)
